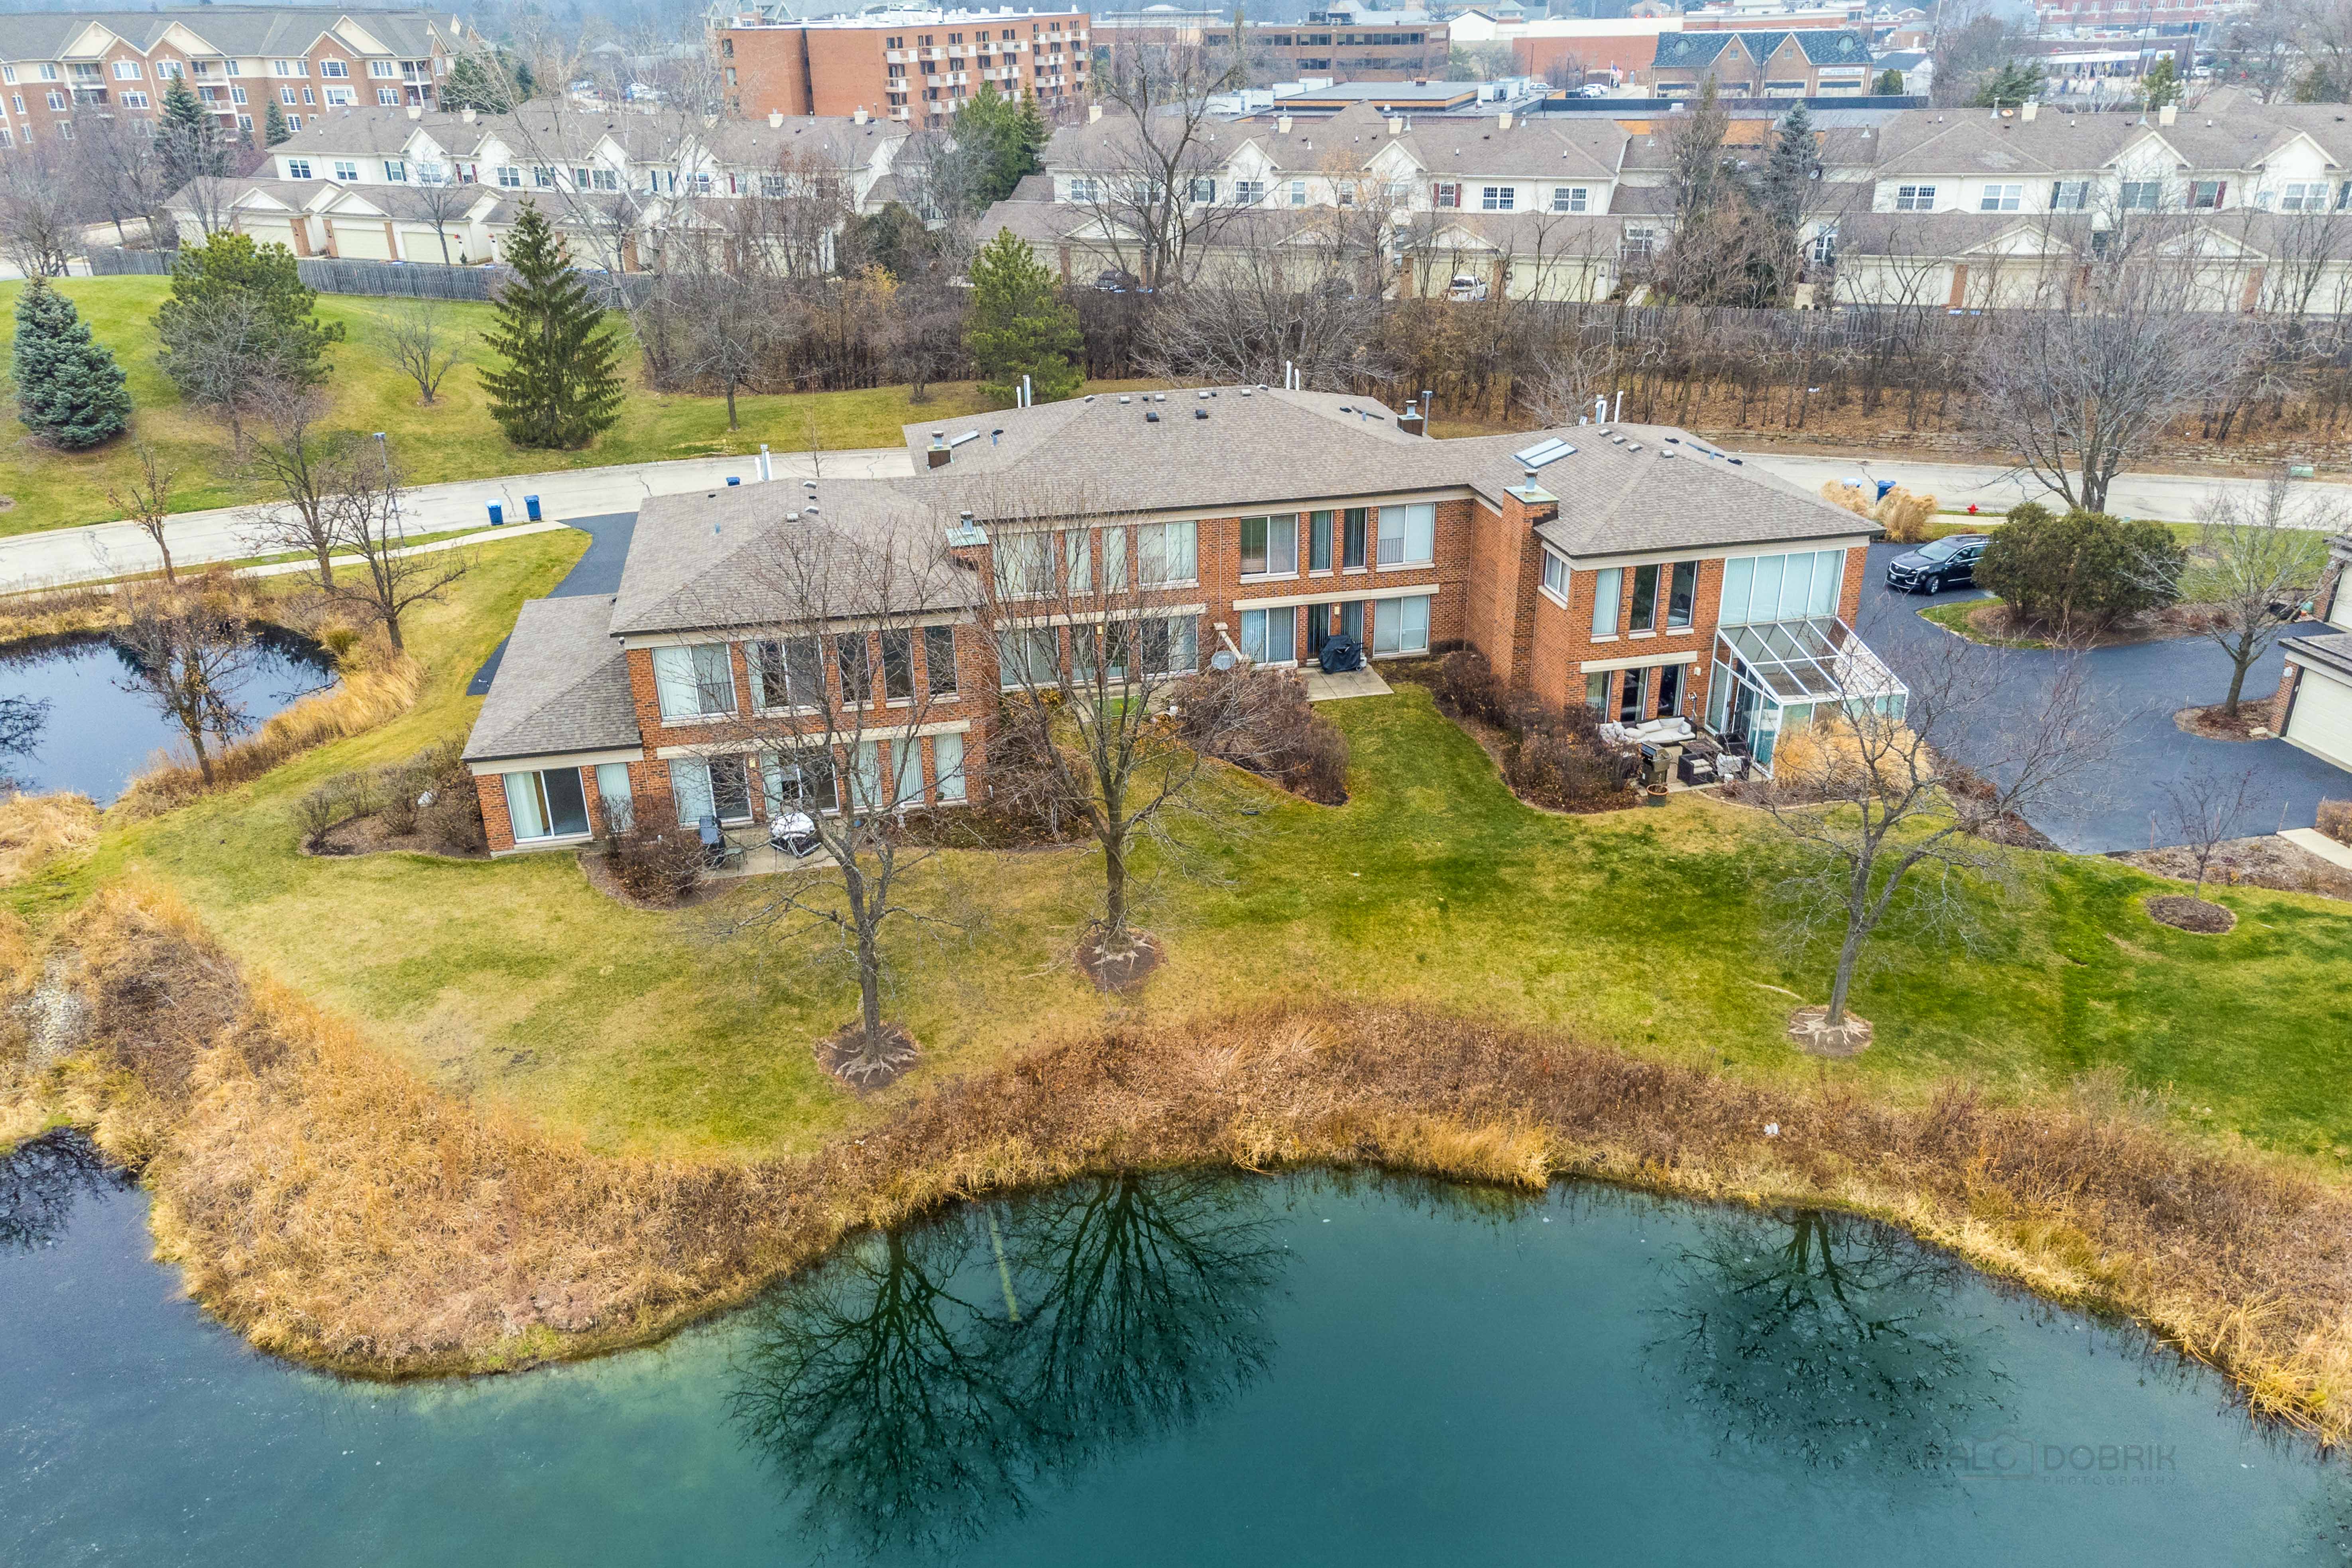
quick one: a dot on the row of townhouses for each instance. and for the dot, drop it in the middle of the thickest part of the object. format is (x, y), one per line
(1634, 569)
(58, 70)
(419, 184)
(1960, 207)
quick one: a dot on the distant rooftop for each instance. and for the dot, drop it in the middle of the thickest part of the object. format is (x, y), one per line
(774, 17)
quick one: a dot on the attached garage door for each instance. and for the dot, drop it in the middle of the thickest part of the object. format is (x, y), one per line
(266, 232)
(363, 240)
(2321, 719)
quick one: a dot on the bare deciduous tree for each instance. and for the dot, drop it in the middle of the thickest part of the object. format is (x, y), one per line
(1300, 290)
(442, 202)
(419, 337)
(189, 650)
(1897, 807)
(364, 514)
(851, 664)
(122, 178)
(729, 327)
(1154, 141)
(41, 204)
(305, 465)
(2256, 558)
(2076, 394)
(2207, 810)
(147, 501)
(1090, 647)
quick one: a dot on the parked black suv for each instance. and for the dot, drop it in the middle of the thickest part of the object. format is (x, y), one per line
(1941, 563)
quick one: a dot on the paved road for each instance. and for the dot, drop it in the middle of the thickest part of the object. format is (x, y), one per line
(2171, 497)
(114, 549)
(2147, 683)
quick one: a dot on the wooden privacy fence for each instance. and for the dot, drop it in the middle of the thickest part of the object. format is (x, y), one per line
(382, 279)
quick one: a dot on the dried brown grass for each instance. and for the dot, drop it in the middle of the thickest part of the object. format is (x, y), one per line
(335, 1208)
(377, 687)
(36, 829)
(58, 612)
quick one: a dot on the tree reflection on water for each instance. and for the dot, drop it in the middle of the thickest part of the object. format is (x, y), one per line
(1830, 1341)
(41, 1181)
(923, 1387)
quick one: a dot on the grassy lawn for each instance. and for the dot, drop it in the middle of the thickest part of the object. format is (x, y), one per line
(453, 439)
(514, 981)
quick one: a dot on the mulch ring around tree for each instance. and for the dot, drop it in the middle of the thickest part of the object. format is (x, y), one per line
(1120, 974)
(1815, 1039)
(2215, 724)
(2182, 912)
(843, 1055)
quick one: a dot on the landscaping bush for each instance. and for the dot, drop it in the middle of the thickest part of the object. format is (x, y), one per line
(454, 820)
(2335, 820)
(1467, 684)
(1260, 719)
(2083, 571)
(657, 867)
(399, 784)
(1558, 759)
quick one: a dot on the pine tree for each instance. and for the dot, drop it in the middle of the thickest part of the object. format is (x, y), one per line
(2161, 86)
(473, 85)
(187, 137)
(230, 278)
(561, 386)
(273, 124)
(68, 388)
(1020, 325)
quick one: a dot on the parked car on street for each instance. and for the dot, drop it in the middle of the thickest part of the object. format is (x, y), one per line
(1940, 564)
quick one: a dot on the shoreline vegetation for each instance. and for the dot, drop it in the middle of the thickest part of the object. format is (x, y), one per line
(338, 1210)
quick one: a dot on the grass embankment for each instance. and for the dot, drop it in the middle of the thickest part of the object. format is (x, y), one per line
(452, 438)
(413, 1114)
(331, 1206)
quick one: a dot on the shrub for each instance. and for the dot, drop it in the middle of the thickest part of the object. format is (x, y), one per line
(1466, 683)
(398, 784)
(657, 867)
(2335, 820)
(1558, 759)
(318, 811)
(1260, 719)
(2083, 570)
(454, 819)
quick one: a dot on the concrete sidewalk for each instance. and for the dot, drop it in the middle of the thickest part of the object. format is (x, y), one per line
(105, 549)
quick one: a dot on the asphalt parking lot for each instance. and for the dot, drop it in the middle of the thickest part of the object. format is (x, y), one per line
(2124, 802)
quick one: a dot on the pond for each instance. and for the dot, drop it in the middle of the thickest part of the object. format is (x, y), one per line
(94, 732)
(1171, 1369)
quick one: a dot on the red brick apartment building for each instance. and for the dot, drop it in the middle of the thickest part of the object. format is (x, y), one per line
(58, 69)
(901, 65)
(1633, 568)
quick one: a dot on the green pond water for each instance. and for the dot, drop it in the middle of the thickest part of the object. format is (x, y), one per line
(1171, 1370)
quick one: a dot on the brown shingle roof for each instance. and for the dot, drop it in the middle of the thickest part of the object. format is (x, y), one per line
(563, 686)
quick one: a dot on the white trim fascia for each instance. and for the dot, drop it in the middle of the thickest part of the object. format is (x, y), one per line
(775, 742)
(1398, 590)
(1640, 660)
(1104, 617)
(1716, 552)
(1226, 514)
(758, 631)
(490, 767)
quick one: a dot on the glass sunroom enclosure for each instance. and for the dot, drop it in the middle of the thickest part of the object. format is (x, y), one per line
(1782, 654)
(1772, 677)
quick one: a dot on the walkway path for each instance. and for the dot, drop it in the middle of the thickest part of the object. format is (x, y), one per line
(104, 550)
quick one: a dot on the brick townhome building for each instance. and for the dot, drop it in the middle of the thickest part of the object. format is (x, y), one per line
(1633, 568)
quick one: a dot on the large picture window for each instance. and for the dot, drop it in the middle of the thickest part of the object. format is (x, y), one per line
(1030, 657)
(1782, 587)
(788, 672)
(695, 681)
(1166, 553)
(614, 800)
(1409, 535)
(800, 780)
(1270, 546)
(1270, 636)
(1172, 646)
(547, 804)
(1401, 625)
(718, 787)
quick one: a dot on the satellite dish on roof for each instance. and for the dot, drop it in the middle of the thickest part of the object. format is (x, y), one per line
(1223, 659)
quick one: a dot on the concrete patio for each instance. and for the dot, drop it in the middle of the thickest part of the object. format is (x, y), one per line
(1365, 682)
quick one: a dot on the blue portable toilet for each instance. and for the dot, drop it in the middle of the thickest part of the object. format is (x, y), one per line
(733, 480)
(497, 515)
(531, 508)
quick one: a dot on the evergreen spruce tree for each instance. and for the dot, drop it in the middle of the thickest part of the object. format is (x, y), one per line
(187, 137)
(224, 278)
(70, 391)
(561, 386)
(1020, 325)
(273, 125)
(2161, 86)
(475, 85)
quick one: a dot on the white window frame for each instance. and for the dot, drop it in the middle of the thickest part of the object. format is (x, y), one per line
(1572, 198)
(1499, 198)
(1414, 526)
(1281, 552)
(347, 171)
(297, 168)
(1392, 634)
(1556, 578)
(1914, 198)
(688, 677)
(2001, 198)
